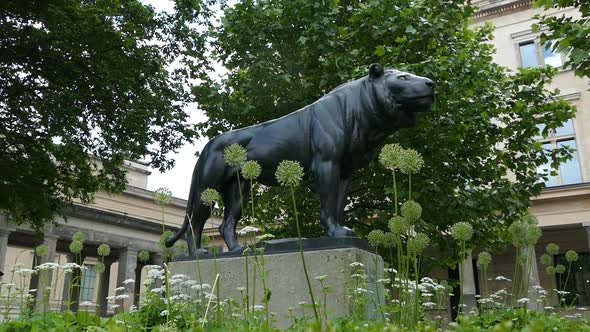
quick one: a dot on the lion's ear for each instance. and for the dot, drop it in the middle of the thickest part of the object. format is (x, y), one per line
(375, 71)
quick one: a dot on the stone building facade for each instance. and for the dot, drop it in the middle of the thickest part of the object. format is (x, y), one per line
(127, 222)
(563, 208)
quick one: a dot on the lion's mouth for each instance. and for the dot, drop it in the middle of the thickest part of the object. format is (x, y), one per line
(418, 104)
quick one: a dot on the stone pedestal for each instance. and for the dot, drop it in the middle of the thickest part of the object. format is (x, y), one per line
(286, 278)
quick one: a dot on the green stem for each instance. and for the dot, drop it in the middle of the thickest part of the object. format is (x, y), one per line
(315, 311)
(410, 186)
(247, 285)
(394, 193)
(197, 258)
(209, 303)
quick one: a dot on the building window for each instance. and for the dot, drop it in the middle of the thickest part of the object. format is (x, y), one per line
(577, 284)
(88, 281)
(532, 56)
(570, 171)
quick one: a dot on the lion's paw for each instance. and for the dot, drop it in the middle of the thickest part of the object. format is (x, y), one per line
(341, 231)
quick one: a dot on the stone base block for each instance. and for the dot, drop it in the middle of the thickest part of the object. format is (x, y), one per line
(286, 278)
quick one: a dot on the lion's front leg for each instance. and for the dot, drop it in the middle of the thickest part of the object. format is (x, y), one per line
(332, 190)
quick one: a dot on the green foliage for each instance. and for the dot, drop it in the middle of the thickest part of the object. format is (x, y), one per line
(571, 35)
(84, 86)
(283, 55)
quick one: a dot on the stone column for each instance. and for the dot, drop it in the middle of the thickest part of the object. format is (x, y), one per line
(468, 283)
(4, 233)
(531, 273)
(102, 305)
(127, 265)
(44, 278)
(76, 280)
(137, 284)
(65, 297)
(5, 229)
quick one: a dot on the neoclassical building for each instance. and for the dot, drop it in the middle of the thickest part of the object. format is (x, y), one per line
(563, 208)
(127, 222)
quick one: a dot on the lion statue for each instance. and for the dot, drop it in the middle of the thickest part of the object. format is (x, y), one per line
(331, 138)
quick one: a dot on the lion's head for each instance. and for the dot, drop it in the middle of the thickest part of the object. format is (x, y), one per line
(400, 94)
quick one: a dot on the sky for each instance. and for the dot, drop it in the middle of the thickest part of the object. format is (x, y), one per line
(178, 179)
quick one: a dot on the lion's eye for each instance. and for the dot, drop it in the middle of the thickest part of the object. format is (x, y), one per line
(402, 77)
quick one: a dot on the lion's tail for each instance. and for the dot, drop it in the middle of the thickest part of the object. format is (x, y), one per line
(193, 194)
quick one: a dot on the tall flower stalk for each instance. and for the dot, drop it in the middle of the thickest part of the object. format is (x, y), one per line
(289, 174)
(462, 232)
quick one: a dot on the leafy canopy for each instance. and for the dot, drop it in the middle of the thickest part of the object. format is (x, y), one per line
(82, 81)
(480, 154)
(571, 34)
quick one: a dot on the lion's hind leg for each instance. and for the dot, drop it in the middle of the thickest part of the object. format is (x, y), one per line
(233, 211)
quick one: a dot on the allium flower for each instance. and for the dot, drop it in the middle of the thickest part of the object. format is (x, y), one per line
(42, 250)
(235, 155)
(398, 225)
(550, 270)
(546, 259)
(103, 250)
(518, 233)
(412, 211)
(375, 237)
(389, 240)
(163, 196)
(99, 267)
(411, 162)
(483, 259)
(552, 249)
(289, 173)
(390, 156)
(210, 196)
(462, 231)
(418, 243)
(571, 256)
(251, 170)
(79, 236)
(143, 256)
(560, 269)
(248, 231)
(76, 247)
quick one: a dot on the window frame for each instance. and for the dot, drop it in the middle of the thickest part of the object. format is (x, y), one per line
(554, 140)
(528, 36)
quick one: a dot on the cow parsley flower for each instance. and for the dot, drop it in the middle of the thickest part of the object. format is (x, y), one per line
(251, 170)
(320, 277)
(248, 230)
(289, 173)
(235, 155)
(462, 231)
(128, 281)
(210, 196)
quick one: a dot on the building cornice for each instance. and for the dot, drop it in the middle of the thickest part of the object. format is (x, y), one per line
(563, 192)
(501, 8)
